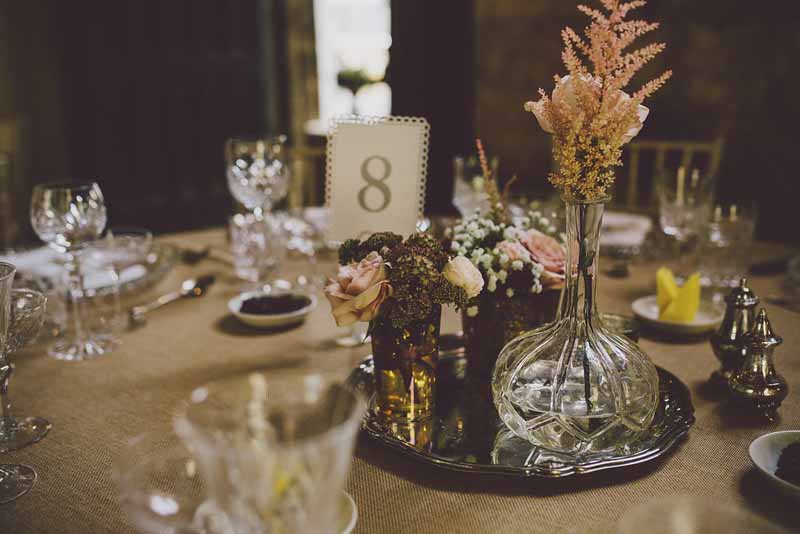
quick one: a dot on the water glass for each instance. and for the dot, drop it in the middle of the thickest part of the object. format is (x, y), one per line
(69, 217)
(275, 447)
(684, 207)
(727, 245)
(258, 176)
(469, 187)
(257, 245)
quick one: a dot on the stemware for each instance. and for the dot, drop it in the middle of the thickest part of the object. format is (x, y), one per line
(727, 244)
(274, 447)
(69, 217)
(684, 208)
(21, 316)
(258, 176)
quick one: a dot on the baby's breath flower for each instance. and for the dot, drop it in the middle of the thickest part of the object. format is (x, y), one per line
(472, 311)
(517, 265)
(509, 292)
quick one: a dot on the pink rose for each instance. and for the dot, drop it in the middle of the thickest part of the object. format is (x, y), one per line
(359, 290)
(546, 251)
(565, 97)
(514, 250)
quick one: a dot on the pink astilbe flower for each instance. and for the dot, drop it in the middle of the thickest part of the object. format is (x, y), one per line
(588, 113)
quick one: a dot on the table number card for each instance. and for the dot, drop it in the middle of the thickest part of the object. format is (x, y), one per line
(375, 175)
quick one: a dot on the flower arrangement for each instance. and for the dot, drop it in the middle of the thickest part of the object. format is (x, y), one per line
(386, 277)
(513, 257)
(588, 113)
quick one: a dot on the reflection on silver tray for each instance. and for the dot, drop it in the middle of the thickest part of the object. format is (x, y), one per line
(467, 435)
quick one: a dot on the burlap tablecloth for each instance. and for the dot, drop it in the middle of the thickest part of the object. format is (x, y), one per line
(96, 406)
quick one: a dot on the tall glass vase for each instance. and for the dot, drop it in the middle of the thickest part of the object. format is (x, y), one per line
(573, 386)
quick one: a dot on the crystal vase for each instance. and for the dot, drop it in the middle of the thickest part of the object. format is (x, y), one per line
(573, 386)
(405, 367)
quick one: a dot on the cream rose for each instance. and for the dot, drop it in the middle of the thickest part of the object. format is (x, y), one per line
(565, 97)
(462, 273)
(358, 290)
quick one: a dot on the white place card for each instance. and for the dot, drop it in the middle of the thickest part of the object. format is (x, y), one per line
(375, 175)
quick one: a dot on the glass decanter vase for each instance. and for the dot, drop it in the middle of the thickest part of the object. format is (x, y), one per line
(573, 386)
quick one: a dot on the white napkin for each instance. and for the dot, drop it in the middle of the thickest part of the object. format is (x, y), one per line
(48, 263)
(624, 229)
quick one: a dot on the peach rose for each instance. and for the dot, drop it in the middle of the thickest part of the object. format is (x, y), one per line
(514, 250)
(546, 251)
(565, 97)
(359, 290)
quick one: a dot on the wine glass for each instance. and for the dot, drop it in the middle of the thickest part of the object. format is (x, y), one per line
(684, 208)
(21, 317)
(257, 175)
(68, 217)
(275, 447)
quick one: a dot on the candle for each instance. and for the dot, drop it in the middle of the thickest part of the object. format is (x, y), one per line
(681, 184)
(734, 216)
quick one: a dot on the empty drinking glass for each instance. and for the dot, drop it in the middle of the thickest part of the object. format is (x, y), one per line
(684, 204)
(275, 448)
(21, 315)
(258, 176)
(469, 191)
(727, 245)
(68, 217)
(257, 245)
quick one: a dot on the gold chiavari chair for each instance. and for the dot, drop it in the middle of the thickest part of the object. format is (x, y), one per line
(688, 154)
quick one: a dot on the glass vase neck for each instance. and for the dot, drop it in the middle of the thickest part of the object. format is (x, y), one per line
(579, 298)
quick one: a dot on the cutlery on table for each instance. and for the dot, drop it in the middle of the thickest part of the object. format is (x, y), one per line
(191, 256)
(190, 288)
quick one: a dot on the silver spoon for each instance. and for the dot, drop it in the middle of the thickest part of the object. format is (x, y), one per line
(192, 287)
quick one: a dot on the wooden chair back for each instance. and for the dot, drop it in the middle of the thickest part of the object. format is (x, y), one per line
(688, 153)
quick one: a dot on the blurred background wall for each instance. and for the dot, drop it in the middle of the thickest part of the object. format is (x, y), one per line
(141, 94)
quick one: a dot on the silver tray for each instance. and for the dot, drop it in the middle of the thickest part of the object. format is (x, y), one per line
(466, 434)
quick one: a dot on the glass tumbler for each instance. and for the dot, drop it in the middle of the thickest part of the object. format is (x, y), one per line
(257, 245)
(274, 447)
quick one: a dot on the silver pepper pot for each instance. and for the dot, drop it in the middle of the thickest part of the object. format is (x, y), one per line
(738, 320)
(756, 380)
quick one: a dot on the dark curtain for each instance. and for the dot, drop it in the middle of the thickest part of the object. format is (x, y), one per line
(152, 90)
(431, 76)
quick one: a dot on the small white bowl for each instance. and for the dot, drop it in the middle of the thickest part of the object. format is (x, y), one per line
(275, 320)
(765, 451)
(708, 317)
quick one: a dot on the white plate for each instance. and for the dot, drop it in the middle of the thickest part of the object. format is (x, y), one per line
(348, 514)
(708, 317)
(765, 451)
(273, 320)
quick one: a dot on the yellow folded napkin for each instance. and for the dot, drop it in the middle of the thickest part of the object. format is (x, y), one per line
(677, 304)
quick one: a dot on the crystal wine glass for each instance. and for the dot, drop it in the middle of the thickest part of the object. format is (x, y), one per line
(684, 207)
(275, 447)
(258, 177)
(68, 217)
(21, 316)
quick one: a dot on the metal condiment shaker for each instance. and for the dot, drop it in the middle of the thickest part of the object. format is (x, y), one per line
(738, 320)
(756, 380)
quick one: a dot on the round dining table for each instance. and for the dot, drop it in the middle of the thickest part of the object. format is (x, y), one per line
(96, 407)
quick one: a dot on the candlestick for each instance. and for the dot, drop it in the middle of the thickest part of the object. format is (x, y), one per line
(681, 184)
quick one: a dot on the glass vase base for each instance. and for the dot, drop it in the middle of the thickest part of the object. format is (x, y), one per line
(23, 432)
(73, 350)
(15, 481)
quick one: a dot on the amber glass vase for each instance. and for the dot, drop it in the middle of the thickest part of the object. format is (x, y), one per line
(500, 319)
(405, 367)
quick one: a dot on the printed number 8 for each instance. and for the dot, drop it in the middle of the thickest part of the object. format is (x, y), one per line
(378, 183)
